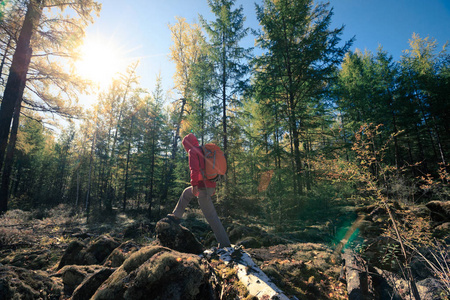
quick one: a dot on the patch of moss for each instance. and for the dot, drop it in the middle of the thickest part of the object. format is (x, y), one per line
(156, 271)
(138, 258)
(155, 275)
(20, 283)
(30, 259)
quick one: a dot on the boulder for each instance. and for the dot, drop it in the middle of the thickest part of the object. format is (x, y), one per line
(120, 254)
(90, 284)
(73, 255)
(442, 231)
(100, 249)
(174, 236)
(429, 288)
(439, 211)
(156, 272)
(96, 253)
(72, 276)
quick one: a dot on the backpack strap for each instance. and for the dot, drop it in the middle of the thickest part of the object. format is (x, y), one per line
(202, 171)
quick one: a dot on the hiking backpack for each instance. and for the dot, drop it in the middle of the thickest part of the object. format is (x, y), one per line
(215, 163)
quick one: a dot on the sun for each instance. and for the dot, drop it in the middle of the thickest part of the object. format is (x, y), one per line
(100, 62)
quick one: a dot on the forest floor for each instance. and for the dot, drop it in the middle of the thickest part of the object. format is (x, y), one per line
(303, 260)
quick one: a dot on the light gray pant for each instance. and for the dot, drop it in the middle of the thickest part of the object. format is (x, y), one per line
(207, 207)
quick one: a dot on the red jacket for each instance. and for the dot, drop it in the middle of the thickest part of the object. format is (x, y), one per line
(196, 162)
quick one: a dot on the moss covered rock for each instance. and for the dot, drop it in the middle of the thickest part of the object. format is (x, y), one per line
(74, 255)
(439, 211)
(174, 236)
(91, 283)
(121, 253)
(96, 253)
(157, 272)
(100, 249)
(73, 275)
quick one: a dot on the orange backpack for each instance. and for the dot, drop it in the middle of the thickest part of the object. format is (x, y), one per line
(215, 163)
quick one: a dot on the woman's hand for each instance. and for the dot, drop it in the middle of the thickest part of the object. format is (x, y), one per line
(195, 191)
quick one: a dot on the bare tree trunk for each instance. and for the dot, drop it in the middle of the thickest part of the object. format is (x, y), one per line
(110, 175)
(203, 119)
(291, 148)
(91, 162)
(174, 148)
(17, 73)
(177, 131)
(78, 187)
(152, 172)
(224, 119)
(124, 204)
(7, 170)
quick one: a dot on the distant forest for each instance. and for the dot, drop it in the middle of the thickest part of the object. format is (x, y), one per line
(304, 124)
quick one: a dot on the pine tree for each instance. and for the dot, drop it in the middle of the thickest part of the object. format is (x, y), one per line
(423, 78)
(230, 60)
(300, 55)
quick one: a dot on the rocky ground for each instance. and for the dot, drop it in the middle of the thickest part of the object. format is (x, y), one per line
(56, 255)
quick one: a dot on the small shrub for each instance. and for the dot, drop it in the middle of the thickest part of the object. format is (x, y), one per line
(8, 236)
(15, 217)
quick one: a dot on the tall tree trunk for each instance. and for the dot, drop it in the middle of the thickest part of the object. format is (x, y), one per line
(292, 105)
(17, 73)
(224, 109)
(6, 175)
(152, 172)
(110, 174)
(91, 162)
(411, 159)
(169, 173)
(7, 169)
(425, 120)
(344, 135)
(177, 131)
(203, 119)
(18, 178)
(291, 148)
(421, 149)
(438, 138)
(78, 188)
(296, 146)
(397, 151)
(224, 118)
(125, 195)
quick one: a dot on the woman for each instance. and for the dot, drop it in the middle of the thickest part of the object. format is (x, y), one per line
(203, 189)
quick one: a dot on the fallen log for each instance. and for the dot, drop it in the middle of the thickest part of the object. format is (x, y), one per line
(249, 274)
(356, 276)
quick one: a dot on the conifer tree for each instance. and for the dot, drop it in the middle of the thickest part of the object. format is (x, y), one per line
(300, 55)
(423, 84)
(153, 131)
(229, 58)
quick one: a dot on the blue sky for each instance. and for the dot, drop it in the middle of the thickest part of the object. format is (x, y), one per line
(140, 27)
